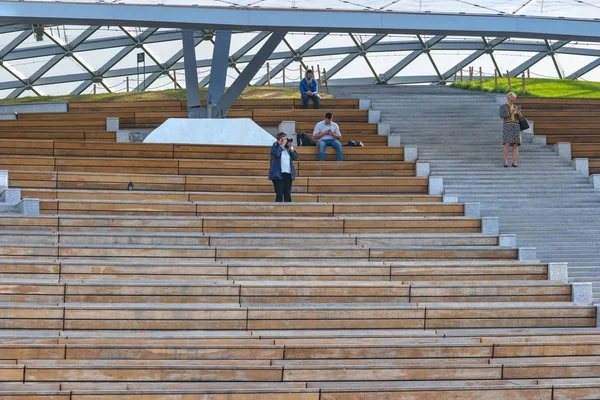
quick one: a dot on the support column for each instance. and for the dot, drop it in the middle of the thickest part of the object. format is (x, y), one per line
(220, 64)
(195, 109)
(247, 74)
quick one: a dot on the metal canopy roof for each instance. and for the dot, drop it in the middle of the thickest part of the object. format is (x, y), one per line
(393, 46)
(546, 8)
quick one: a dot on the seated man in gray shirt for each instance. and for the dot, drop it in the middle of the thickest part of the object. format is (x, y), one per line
(328, 133)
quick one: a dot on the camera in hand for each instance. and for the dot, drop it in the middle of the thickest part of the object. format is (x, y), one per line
(290, 140)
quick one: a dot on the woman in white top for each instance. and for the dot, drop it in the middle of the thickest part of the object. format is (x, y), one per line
(282, 171)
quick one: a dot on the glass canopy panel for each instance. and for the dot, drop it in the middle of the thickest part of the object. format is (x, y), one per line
(586, 9)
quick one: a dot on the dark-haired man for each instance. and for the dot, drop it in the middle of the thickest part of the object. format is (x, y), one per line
(309, 90)
(328, 133)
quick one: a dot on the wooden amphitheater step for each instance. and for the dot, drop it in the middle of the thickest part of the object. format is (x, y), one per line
(259, 240)
(164, 196)
(87, 316)
(200, 252)
(202, 209)
(268, 292)
(169, 166)
(334, 225)
(277, 270)
(178, 105)
(149, 150)
(88, 135)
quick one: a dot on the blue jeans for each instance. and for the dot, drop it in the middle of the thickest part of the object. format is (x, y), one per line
(333, 143)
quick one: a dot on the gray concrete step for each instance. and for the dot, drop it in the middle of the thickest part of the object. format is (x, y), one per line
(544, 201)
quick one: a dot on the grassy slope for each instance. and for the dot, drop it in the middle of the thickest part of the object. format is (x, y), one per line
(261, 92)
(536, 87)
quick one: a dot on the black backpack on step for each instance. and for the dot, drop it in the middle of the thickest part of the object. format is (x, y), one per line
(304, 139)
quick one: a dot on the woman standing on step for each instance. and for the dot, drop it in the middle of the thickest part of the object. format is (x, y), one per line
(511, 134)
(282, 171)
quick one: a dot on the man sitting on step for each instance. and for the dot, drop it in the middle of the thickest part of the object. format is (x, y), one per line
(328, 133)
(309, 90)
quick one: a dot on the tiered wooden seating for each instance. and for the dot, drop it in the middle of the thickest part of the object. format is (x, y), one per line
(150, 114)
(198, 286)
(568, 120)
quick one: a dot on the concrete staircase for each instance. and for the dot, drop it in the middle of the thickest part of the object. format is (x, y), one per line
(544, 201)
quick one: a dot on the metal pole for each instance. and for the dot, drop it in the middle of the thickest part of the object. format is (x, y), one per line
(528, 73)
(319, 78)
(174, 79)
(94, 88)
(283, 71)
(461, 74)
(301, 72)
(480, 76)
(127, 80)
(509, 83)
(495, 78)
(523, 83)
(268, 75)
(325, 78)
(455, 73)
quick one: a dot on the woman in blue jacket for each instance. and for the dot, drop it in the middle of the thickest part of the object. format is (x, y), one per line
(282, 171)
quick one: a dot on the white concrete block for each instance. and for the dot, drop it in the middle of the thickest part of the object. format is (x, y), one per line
(112, 124)
(581, 165)
(3, 179)
(43, 107)
(508, 240)
(472, 210)
(8, 117)
(564, 150)
(539, 140)
(364, 104)
(237, 131)
(581, 292)
(394, 141)
(384, 129)
(450, 198)
(374, 116)
(558, 272)
(527, 254)
(423, 168)
(29, 207)
(490, 225)
(410, 154)
(10, 196)
(436, 185)
(595, 181)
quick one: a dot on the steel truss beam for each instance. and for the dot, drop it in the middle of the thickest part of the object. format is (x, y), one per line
(297, 20)
(237, 56)
(539, 57)
(295, 55)
(352, 56)
(247, 74)
(488, 48)
(405, 62)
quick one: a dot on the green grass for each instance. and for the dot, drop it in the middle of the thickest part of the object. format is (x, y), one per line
(536, 87)
(259, 92)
